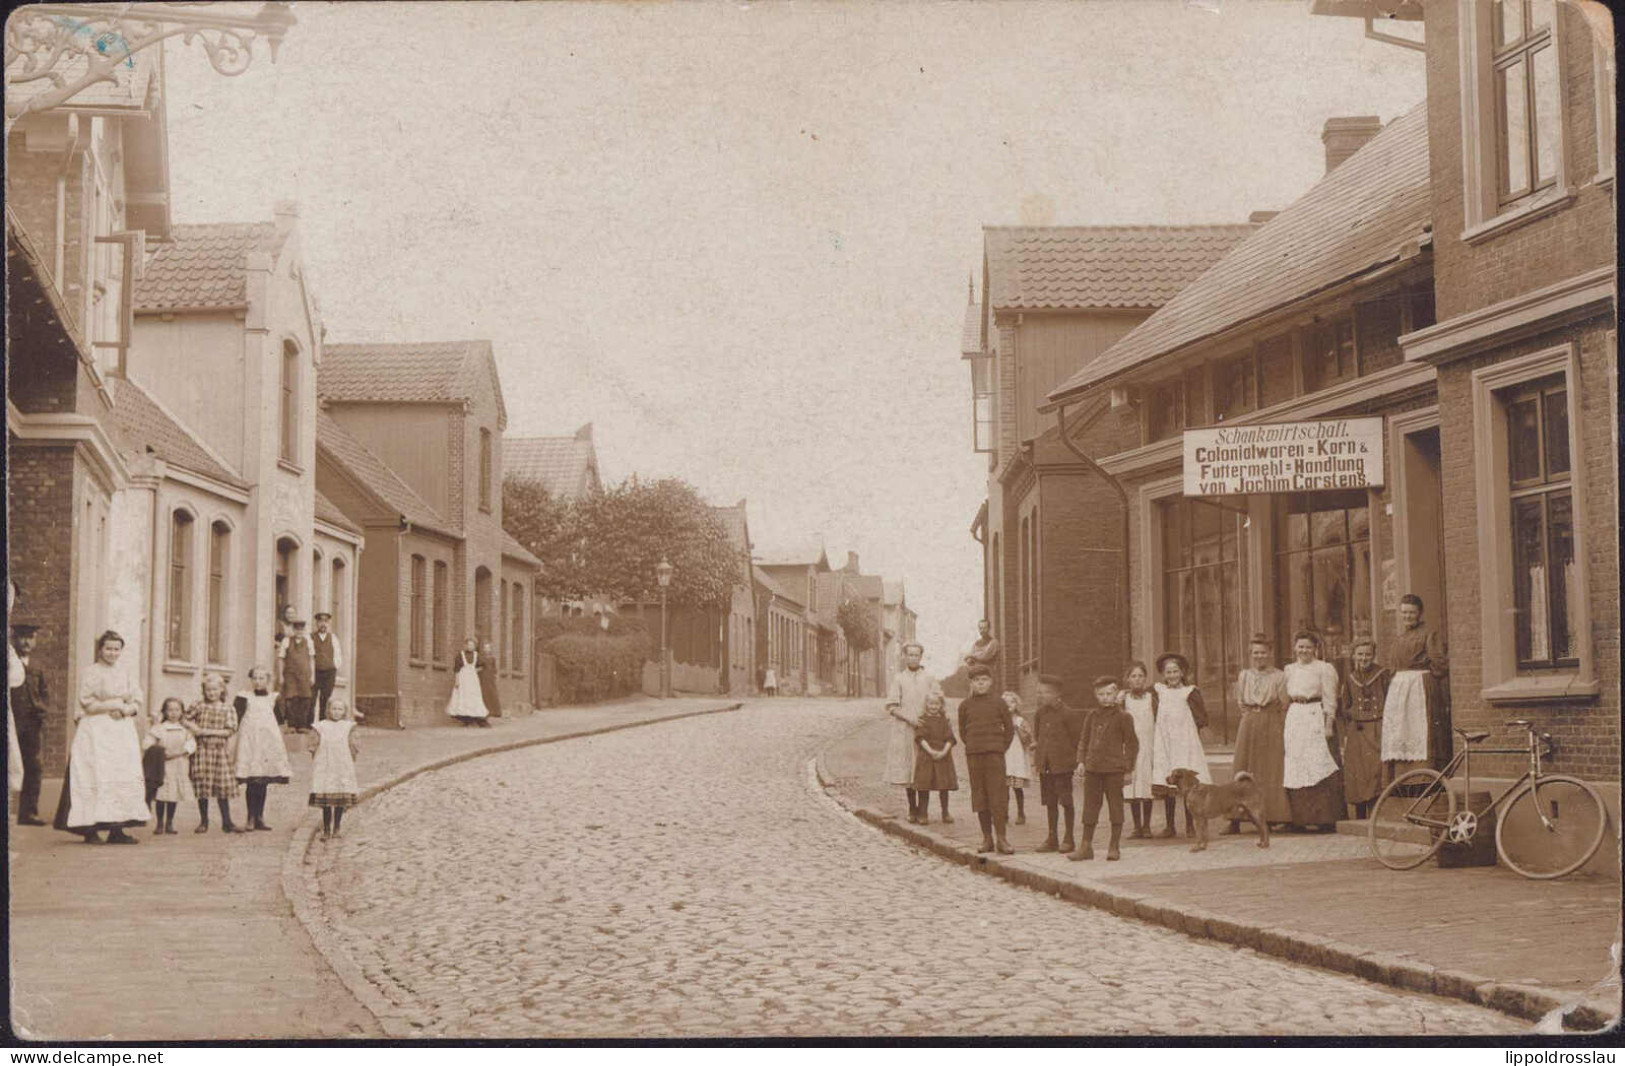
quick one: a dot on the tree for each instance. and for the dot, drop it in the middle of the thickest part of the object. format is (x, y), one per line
(857, 622)
(626, 530)
(546, 526)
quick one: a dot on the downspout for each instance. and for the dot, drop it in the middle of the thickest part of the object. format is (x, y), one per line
(1122, 498)
(155, 476)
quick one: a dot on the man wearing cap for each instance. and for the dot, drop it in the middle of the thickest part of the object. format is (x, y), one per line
(329, 660)
(29, 704)
(298, 657)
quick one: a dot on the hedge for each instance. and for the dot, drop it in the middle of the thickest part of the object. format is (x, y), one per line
(596, 666)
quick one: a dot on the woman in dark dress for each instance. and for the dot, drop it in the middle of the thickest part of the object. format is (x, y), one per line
(1261, 738)
(1415, 717)
(488, 680)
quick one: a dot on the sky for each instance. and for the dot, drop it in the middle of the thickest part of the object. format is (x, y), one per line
(736, 237)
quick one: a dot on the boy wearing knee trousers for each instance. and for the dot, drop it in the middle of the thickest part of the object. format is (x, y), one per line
(1107, 749)
(1056, 729)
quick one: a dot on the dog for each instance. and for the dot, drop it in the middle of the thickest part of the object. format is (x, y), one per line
(1234, 800)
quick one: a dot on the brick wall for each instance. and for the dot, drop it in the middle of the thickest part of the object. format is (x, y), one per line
(1081, 565)
(40, 503)
(425, 686)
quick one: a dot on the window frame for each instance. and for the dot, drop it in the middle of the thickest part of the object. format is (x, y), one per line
(178, 629)
(486, 461)
(337, 598)
(516, 654)
(217, 597)
(1310, 349)
(288, 423)
(416, 649)
(1544, 486)
(1492, 387)
(439, 613)
(1243, 365)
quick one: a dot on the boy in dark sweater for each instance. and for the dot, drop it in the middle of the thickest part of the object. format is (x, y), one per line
(1107, 749)
(985, 728)
(1056, 728)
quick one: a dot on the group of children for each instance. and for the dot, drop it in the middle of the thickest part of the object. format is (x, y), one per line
(1123, 748)
(205, 751)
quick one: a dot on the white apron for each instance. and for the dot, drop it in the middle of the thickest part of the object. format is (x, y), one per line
(909, 691)
(466, 701)
(105, 782)
(1145, 727)
(1018, 765)
(261, 751)
(1176, 743)
(1308, 758)
(332, 770)
(16, 676)
(1405, 717)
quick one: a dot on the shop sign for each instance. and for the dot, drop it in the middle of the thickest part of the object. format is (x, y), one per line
(1342, 453)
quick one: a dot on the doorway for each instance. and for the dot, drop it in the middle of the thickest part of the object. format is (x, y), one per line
(1421, 568)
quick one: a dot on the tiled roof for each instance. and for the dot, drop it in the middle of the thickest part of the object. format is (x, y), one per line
(512, 547)
(970, 342)
(328, 511)
(559, 463)
(141, 423)
(1076, 267)
(767, 581)
(733, 520)
(415, 372)
(800, 555)
(373, 473)
(829, 593)
(202, 266)
(1355, 218)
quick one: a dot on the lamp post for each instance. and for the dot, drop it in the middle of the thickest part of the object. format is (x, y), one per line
(663, 575)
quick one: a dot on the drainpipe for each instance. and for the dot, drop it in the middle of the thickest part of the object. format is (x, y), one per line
(1122, 498)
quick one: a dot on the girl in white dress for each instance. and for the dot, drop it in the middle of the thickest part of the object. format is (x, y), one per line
(1313, 780)
(262, 755)
(467, 706)
(178, 745)
(1018, 757)
(1176, 740)
(1141, 704)
(104, 787)
(332, 777)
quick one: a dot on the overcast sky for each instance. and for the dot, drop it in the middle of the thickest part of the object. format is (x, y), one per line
(736, 237)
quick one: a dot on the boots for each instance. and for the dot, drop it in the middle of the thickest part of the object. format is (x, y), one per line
(1068, 843)
(1168, 832)
(947, 819)
(1139, 818)
(1021, 807)
(1112, 854)
(1085, 850)
(1002, 846)
(203, 817)
(1051, 842)
(985, 818)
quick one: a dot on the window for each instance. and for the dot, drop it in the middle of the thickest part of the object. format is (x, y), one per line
(338, 595)
(419, 606)
(1528, 105)
(1202, 600)
(981, 373)
(1602, 83)
(1277, 378)
(219, 543)
(1323, 569)
(1328, 355)
(485, 470)
(1025, 642)
(180, 586)
(289, 422)
(437, 628)
(1164, 411)
(516, 656)
(1542, 504)
(1235, 387)
(504, 649)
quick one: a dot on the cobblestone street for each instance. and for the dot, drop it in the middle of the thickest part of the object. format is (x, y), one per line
(686, 879)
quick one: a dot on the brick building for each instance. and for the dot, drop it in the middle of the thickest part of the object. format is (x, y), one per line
(782, 643)
(1055, 298)
(409, 448)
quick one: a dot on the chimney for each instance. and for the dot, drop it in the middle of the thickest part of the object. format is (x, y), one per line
(1346, 135)
(1258, 218)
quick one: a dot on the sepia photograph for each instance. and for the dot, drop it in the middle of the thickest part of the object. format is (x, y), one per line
(810, 522)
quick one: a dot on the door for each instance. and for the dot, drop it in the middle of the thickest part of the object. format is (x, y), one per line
(1323, 571)
(1423, 569)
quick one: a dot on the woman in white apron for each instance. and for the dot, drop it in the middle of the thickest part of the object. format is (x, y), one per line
(1176, 742)
(1018, 758)
(1415, 718)
(467, 706)
(1314, 783)
(104, 786)
(910, 687)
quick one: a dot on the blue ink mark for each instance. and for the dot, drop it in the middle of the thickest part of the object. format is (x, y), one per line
(104, 41)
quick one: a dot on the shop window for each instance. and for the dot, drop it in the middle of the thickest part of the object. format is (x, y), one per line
(1323, 570)
(1542, 505)
(1277, 378)
(1202, 611)
(1164, 411)
(1235, 387)
(180, 586)
(1328, 355)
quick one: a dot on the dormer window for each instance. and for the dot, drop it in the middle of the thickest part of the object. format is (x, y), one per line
(981, 378)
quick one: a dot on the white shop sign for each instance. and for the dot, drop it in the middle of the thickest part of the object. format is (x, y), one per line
(1342, 453)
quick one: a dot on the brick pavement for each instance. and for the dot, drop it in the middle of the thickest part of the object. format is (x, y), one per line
(690, 879)
(1560, 935)
(191, 936)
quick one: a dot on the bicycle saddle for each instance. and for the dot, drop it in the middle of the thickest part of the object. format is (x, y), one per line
(1474, 736)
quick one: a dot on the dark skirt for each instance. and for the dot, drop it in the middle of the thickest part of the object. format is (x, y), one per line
(489, 693)
(345, 800)
(1261, 751)
(64, 804)
(935, 775)
(1320, 803)
(1362, 760)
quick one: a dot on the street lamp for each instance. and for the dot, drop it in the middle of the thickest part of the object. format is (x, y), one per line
(663, 575)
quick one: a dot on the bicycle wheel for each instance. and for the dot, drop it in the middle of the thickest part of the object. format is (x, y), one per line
(1564, 841)
(1409, 819)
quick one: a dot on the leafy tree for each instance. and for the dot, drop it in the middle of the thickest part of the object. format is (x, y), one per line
(546, 526)
(626, 530)
(857, 622)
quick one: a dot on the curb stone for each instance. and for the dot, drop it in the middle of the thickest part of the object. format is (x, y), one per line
(303, 892)
(1528, 1002)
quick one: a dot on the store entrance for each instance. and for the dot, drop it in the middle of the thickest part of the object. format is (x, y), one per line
(1323, 571)
(1203, 610)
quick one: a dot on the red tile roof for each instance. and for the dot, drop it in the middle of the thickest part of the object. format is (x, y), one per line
(1079, 267)
(414, 372)
(327, 511)
(141, 424)
(1355, 218)
(203, 266)
(376, 476)
(561, 464)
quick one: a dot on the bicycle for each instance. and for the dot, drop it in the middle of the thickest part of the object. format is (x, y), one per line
(1550, 826)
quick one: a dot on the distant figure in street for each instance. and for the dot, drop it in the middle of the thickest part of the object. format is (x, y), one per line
(1018, 757)
(1359, 726)
(1314, 784)
(1140, 701)
(26, 710)
(1177, 742)
(103, 787)
(332, 776)
(329, 660)
(298, 691)
(489, 693)
(175, 743)
(985, 728)
(985, 652)
(262, 757)
(1056, 730)
(933, 759)
(910, 687)
(1108, 749)
(1261, 737)
(1415, 717)
(770, 682)
(466, 704)
(213, 722)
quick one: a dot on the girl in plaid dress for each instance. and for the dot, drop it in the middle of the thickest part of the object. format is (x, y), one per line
(213, 722)
(332, 776)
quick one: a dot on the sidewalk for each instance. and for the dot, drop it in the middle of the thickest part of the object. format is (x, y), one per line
(191, 937)
(1482, 934)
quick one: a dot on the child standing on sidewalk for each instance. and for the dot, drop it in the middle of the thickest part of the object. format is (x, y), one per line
(214, 768)
(1108, 751)
(1056, 728)
(1177, 741)
(985, 729)
(933, 759)
(262, 757)
(332, 777)
(175, 741)
(1141, 704)
(1018, 758)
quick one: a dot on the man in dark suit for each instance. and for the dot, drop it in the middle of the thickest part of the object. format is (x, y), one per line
(29, 705)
